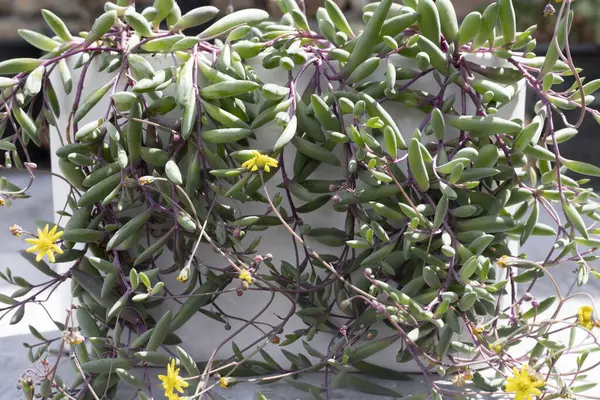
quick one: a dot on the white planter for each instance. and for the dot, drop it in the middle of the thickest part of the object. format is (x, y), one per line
(202, 335)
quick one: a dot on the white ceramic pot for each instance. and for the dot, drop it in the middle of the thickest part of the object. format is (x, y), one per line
(202, 335)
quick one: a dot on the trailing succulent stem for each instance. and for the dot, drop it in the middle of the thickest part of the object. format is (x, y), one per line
(174, 179)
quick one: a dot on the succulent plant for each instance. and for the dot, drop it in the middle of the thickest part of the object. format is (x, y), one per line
(169, 166)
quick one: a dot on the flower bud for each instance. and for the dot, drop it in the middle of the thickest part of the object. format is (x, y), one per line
(343, 330)
(549, 10)
(16, 230)
(184, 274)
(144, 180)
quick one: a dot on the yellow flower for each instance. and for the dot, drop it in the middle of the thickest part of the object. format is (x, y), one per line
(78, 339)
(16, 230)
(478, 330)
(184, 275)
(245, 276)
(2, 202)
(45, 243)
(496, 348)
(73, 337)
(144, 180)
(584, 317)
(502, 261)
(468, 374)
(172, 381)
(224, 383)
(260, 161)
(523, 385)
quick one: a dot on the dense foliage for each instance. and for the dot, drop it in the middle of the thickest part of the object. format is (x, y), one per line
(173, 174)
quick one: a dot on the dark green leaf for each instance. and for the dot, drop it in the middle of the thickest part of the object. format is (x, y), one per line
(18, 315)
(380, 372)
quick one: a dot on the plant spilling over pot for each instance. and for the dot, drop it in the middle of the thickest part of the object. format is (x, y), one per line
(173, 183)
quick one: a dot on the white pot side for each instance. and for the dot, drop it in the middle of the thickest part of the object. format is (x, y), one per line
(201, 335)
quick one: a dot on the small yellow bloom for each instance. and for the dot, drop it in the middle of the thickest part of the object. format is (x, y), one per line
(45, 243)
(78, 339)
(184, 275)
(502, 261)
(478, 330)
(224, 383)
(144, 180)
(73, 337)
(468, 375)
(16, 230)
(584, 317)
(260, 161)
(523, 385)
(496, 348)
(2, 202)
(245, 276)
(172, 381)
